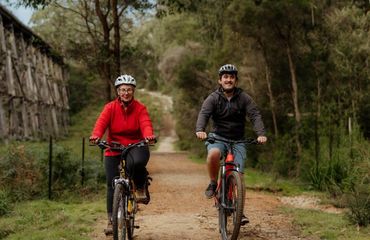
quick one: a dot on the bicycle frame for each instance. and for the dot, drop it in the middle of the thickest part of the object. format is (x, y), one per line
(227, 165)
(124, 201)
(230, 190)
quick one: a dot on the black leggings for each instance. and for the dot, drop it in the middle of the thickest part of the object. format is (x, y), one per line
(136, 161)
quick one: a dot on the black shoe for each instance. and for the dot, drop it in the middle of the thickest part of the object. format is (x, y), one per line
(245, 220)
(211, 189)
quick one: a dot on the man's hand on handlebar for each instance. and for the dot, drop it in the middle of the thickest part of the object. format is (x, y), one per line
(261, 139)
(201, 135)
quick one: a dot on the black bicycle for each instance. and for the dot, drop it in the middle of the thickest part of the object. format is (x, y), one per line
(124, 201)
(229, 196)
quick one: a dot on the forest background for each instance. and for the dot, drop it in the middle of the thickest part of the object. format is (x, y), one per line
(304, 62)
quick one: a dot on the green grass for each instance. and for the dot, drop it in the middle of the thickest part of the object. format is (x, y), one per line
(328, 226)
(43, 219)
(258, 180)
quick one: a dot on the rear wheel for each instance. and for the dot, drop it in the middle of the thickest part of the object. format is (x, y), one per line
(231, 216)
(119, 213)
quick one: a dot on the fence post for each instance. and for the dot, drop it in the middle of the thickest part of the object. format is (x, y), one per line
(50, 164)
(83, 162)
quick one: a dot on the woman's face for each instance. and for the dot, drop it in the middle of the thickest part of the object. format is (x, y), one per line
(126, 92)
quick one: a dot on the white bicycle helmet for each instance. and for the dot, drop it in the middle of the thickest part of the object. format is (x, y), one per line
(228, 68)
(125, 79)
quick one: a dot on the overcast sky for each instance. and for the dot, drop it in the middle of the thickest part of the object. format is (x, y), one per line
(22, 13)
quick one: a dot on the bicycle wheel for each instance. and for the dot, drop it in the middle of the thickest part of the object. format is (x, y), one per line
(231, 216)
(119, 213)
(130, 222)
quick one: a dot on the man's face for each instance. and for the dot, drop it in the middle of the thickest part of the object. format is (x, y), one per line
(126, 92)
(227, 82)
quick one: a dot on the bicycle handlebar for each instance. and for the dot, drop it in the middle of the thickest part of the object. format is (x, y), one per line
(248, 141)
(116, 146)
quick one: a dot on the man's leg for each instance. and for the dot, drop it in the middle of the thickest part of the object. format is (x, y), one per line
(240, 153)
(213, 164)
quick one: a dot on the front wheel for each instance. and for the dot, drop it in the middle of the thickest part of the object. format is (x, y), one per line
(230, 216)
(119, 213)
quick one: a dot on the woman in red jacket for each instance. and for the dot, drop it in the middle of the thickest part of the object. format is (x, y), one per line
(127, 121)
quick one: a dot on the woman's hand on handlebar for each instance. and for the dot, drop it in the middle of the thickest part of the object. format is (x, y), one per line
(94, 140)
(151, 139)
(201, 135)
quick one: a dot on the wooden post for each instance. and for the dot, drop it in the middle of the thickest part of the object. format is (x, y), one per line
(3, 129)
(83, 162)
(50, 165)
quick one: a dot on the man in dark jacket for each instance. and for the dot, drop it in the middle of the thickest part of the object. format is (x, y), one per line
(228, 107)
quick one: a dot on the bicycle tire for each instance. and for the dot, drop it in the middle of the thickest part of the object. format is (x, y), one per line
(230, 220)
(118, 213)
(130, 222)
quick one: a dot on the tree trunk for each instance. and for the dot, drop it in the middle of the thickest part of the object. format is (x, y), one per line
(297, 113)
(272, 101)
(117, 37)
(317, 122)
(106, 55)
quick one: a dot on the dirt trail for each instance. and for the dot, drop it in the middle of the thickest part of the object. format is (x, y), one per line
(179, 210)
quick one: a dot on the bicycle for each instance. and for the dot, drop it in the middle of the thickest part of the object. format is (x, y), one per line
(124, 201)
(229, 195)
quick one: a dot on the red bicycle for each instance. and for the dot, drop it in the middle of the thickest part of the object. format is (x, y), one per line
(229, 196)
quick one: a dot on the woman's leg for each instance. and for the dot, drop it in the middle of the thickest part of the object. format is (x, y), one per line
(137, 159)
(111, 170)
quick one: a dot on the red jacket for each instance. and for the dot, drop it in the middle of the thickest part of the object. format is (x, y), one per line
(124, 126)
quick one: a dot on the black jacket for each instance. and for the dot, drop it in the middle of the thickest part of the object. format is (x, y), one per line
(229, 117)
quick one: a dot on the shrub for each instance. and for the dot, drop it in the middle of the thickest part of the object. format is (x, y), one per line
(65, 169)
(5, 202)
(20, 174)
(358, 202)
(358, 195)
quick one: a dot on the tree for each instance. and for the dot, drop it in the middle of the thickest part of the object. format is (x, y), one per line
(94, 22)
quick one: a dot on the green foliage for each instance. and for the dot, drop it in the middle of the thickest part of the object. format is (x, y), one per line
(261, 181)
(358, 195)
(358, 201)
(364, 116)
(83, 89)
(64, 168)
(36, 4)
(5, 203)
(25, 170)
(43, 219)
(20, 173)
(190, 78)
(322, 225)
